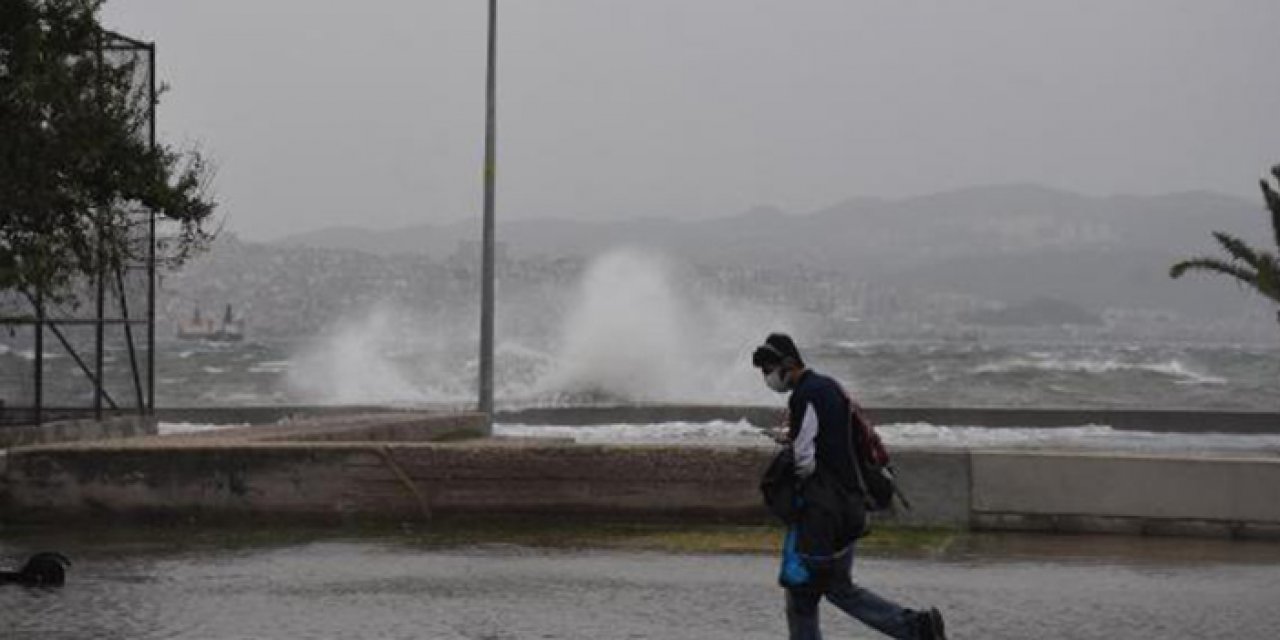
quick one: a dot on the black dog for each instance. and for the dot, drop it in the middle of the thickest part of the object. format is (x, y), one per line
(44, 569)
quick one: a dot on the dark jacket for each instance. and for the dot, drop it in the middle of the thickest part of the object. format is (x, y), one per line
(779, 488)
(832, 514)
(825, 516)
(818, 423)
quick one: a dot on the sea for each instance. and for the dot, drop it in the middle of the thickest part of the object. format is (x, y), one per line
(900, 373)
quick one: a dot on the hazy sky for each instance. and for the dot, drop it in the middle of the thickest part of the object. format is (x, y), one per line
(370, 113)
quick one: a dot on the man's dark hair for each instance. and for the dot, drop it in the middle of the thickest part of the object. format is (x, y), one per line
(778, 349)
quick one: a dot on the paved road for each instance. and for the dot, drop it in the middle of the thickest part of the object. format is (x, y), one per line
(1001, 588)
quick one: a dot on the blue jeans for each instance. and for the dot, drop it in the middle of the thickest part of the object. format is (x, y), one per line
(869, 608)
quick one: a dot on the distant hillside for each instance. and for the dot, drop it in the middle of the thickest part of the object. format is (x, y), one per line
(979, 220)
(1035, 313)
(1010, 242)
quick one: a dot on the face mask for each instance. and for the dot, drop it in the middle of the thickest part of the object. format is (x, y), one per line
(775, 380)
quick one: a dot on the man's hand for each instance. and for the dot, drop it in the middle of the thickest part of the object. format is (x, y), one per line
(779, 434)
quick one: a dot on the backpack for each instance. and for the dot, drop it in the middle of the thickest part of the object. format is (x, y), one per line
(876, 475)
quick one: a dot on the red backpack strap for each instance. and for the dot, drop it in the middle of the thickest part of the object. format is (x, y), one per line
(876, 452)
(875, 447)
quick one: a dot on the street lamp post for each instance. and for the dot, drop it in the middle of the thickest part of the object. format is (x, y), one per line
(487, 268)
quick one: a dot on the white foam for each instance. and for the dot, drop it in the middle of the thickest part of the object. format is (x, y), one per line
(1176, 369)
(271, 366)
(1047, 362)
(857, 345)
(30, 355)
(713, 432)
(721, 432)
(223, 398)
(171, 428)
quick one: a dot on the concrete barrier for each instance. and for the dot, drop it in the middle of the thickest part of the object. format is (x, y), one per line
(1126, 493)
(236, 480)
(76, 430)
(387, 466)
(937, 482)
(286, 469)
(334, 481)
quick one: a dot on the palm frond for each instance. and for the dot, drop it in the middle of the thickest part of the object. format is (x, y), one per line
(1255, 268)
(1268, 283)
(1273, 204)
(1214, 265)
(1238, 249)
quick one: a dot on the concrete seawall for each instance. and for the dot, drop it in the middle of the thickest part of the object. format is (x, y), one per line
(339, 481)
(403, 481)
(1236, 497)
(77, 430)
(1164, 421)
(414, 466)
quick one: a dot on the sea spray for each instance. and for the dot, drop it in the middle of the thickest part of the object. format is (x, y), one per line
(626, 335)
(394, 355)
(633, 334)
(362, 360)
(632, 330)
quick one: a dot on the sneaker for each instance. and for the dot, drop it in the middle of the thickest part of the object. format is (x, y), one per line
(931, 625)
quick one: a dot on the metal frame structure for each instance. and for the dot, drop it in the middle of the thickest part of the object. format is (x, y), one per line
(40, 318)
(145, 401)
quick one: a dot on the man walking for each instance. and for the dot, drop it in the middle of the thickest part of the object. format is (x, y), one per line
(831, 513)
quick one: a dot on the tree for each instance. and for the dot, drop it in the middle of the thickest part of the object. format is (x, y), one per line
(1254, 268)
(76, 162)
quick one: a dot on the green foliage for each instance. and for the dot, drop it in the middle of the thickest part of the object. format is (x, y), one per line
(1254, 268)
(75, 160)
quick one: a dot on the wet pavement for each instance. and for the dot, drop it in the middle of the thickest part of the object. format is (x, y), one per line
(989, 587)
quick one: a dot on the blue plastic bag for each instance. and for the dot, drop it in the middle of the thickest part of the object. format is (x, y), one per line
(793, 572)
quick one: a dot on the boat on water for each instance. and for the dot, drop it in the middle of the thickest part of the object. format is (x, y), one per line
(198, 327)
